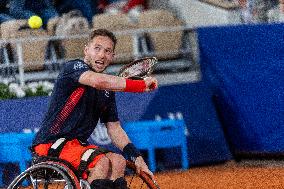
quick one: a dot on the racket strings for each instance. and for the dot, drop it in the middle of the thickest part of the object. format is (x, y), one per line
(139, 68)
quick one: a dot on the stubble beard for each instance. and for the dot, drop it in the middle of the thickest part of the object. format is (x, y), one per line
(89, 61)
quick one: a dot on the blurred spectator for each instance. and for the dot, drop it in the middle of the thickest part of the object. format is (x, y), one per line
(261, 9)
(88, 8)
(4, 11)
(276, 14)
(256, 11)
(125, 6)
(24, 9)
(246, 13)
(134, 3)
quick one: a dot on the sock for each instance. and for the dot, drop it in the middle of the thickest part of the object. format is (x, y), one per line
(120, 183)
(102, 184)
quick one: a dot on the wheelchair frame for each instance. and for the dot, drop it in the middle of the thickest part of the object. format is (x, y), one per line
(50, 172)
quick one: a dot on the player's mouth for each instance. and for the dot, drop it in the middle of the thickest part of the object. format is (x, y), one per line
(100, 64)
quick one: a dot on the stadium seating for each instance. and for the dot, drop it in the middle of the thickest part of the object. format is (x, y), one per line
(33, 51)
(227, 4)
(38, 55)
(166, 44)
(3, 51)
(151, 135)
(51, 25)
(69, 26)
(115, 23)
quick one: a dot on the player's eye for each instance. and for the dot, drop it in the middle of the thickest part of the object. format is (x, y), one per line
(108, 51)
(97, 48)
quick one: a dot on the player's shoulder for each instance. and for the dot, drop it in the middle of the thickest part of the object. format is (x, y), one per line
(75, 64)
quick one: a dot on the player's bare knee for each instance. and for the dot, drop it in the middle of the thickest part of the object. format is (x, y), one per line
(103, 163)
(117, 160)
(101, 170)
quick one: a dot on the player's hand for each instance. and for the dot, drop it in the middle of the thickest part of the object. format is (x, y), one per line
(151, 83)
(141, 166)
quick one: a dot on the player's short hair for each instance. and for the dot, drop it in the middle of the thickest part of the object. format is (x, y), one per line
(103, 32)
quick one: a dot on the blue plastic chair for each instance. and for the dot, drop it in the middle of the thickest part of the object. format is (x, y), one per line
(14, 148)
(149, 135)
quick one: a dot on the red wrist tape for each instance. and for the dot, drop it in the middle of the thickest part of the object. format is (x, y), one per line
(135, 85)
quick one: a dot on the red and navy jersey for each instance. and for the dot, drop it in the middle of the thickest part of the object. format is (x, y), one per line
(74, 109)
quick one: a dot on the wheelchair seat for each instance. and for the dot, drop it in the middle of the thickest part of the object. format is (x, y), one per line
(36, 159)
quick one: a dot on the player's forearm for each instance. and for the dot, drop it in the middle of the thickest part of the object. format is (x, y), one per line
(117, 135)
(103, 81)
(121, 140)
(115, 83)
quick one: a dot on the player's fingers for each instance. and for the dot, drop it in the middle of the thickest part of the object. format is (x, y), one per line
(149, 173)
(145, 169)
(153, 86)
(138, 170)
(151, 83)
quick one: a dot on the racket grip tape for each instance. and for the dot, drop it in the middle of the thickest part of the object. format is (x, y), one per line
(135, 85)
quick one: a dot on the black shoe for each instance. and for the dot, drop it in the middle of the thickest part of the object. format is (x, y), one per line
(102, 184)
(120, 183)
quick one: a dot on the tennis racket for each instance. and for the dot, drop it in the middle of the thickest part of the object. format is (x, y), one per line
(138, 69)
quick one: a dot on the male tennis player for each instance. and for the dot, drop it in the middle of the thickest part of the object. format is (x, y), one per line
(82, 95)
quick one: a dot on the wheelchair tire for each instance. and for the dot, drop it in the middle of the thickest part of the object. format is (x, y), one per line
(46, 175)
(53, 174)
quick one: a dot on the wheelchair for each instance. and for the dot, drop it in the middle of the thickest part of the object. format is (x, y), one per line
(53, 173)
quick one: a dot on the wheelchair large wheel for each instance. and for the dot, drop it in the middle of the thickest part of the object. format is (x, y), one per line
(139, 180)
(55, 175)
(46, 175)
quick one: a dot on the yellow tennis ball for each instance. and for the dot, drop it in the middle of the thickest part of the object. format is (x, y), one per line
(35, 22)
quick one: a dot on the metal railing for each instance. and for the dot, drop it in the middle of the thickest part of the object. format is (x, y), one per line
(187, 54)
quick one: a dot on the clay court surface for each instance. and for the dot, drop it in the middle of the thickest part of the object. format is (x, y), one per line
(229, 175)
(225, 176)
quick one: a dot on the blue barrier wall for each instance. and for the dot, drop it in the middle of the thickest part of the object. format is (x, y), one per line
(206, 141)
(18, 114)
(245, 67)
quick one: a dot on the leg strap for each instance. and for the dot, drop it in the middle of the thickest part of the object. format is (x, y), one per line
(88, 156)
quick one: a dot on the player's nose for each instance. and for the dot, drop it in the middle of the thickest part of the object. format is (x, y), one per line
(101, 53)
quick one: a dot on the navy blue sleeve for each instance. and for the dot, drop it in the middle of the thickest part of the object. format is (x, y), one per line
(74, 69)
(110, 114)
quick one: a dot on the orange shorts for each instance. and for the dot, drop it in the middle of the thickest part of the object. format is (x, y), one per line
(71, 152)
